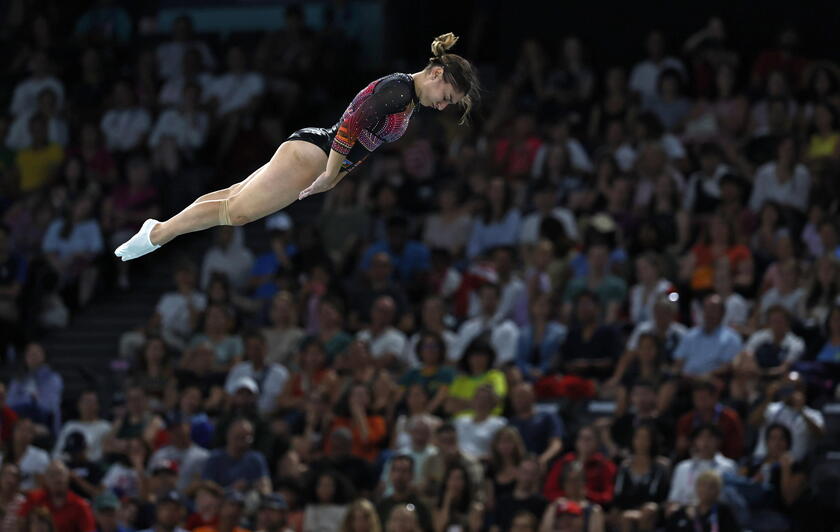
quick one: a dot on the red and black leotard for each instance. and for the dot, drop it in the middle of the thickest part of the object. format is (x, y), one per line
(379, 113)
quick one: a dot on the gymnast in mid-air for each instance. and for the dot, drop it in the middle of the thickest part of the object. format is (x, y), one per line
(314, 160)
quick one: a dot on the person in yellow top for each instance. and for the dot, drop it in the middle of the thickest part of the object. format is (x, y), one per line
(476, 369)
(38, 163)
(824, 143)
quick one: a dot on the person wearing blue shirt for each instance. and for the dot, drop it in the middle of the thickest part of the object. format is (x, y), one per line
(267, 265)
(709, 348)
(409, 257)
(540, 340)
(542, 432)
(237, 465)
(37, 393)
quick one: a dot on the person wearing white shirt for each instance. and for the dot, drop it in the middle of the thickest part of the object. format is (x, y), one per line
(178, 311)
(476, 430)
(784, 180)
(649, 289)
(706, 456)
(419, 448)
(644, 77)
(785, 404)
(236, 89)
(189, 457)
(702, 193)
(126, 124)
(170, 54)
(514, 295)
(545, 205)
(270, 378)
(20, 137)
(386, 342)
(25, 95)
(504, 334)
(432, 316)
(31, 460)
(778, 338)
(231, 259)
(89, 424)
(172, 91)
(186, 124)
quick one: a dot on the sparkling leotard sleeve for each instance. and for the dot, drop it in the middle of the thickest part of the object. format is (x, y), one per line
(381, 110)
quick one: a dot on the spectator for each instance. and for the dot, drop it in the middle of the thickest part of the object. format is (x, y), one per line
(92, 427)
(230, 514)
(707, 511)
(237, 465)
(169, 512)
(545, 205)
(273, 512)
(31, 461)
(449, 227)
(85, 474)
(387, 343)
(503, 332)
(705, 456)
(783, 180)
(218, 332)
(186, 456)
(403, 518)
(574, 512)
(186, 124)
(498, 224)
(669, 102)
(477, 369)
(455, 507)
(170, 53)
(476, 430)
(418, 430)
(645, 74)
(711, 348)
(540, 340)
(376, 282)
(104, 23)
(541, 431)
(449, 454)
(227, 257)
(368, 429)
(785, 404)
(329, 499)
(37, 165)
(70, 513)
(313, 378)
(105, 506)
(663, 326)
(19, 136)
(237, 90)
(598, 470)
(649, 364)
(592, 347)
(617, 434)
(716, 243)
(25, 95)
(360, 517)
(8, 418)
(434, 322)
(125, 124)
(36, 393)
(207, 500)
(279, 259)
(642, 482)
(126, 475)
(702, 192)
(404, 493)
(409, 257)
(178, 311)
(11, 497)
(651, 286)
(787, 293)
(137, 421)
(610, 289)
(152, 370)
(525, 497)
(271, 378)
(708, 410)
(283, 335)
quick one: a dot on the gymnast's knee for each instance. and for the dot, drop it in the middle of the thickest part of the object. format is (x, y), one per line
(230, 215)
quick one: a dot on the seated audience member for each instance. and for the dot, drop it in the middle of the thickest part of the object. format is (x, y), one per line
(36, 393)
(592, 347)
(387, 343)
(598, 470)
(705, 456)
(367, 428)
(476, 369)
(449, 452)
(456, 506)
(641, 484)
(236, 464)
(271, 377)
(540, 340)
(89, 424)
(525, 497)
(709, 410)
(404, 492)
(69, 512)
(503, 333)
(574, 510)
(542, 431)
(708, 349)
(476, 430)
(707, 512)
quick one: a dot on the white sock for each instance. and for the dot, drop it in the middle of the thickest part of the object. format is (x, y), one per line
(138, 245)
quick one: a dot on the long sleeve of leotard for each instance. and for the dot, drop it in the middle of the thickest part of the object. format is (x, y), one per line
(389, 96)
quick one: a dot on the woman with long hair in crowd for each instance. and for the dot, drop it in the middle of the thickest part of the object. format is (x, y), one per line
(314, 160)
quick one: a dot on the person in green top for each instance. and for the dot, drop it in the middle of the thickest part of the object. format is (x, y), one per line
(476, 367)
(432, 374)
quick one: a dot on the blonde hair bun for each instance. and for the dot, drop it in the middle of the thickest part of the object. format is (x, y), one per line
(443, 43)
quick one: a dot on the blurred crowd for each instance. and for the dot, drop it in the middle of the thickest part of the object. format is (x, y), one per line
(610, 303)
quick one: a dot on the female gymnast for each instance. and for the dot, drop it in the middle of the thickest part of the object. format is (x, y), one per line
(314, 160)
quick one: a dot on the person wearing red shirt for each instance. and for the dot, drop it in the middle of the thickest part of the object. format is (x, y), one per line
(8, 417)
(599, 471)
(708, 410)
(70, 512)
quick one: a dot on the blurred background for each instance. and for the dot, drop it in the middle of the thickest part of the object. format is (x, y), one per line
(620, 274)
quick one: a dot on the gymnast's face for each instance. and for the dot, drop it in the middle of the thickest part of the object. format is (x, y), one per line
(437, 92)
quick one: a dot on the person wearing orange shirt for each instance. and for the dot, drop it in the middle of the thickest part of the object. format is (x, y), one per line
(368, 430)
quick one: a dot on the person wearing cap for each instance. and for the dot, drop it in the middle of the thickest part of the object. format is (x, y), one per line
(270, 378)
(105, 507)
(181, 453)
(169, 512)
(230, 514)
(90, 425)
(70, 512)
(85, 475)
(243, 404)
(237, 465)
(228, 257)
(280, 257)
(272, 514)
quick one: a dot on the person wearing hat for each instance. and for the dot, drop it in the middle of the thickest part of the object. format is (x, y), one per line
(278, 259)
(181, 453)
(243, 404)
(272, 514)
(105, 507)
(85, 475)
(228, 257)
(230, 514)
(169, 512)
(270, 377)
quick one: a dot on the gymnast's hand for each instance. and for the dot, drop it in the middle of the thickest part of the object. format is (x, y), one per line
(323, 183)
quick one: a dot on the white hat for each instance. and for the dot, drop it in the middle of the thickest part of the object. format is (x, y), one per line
(279, 222)
(243, 382)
